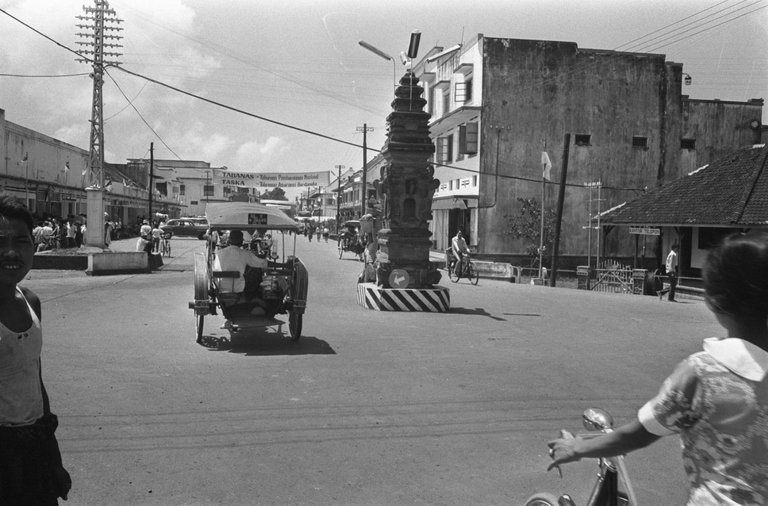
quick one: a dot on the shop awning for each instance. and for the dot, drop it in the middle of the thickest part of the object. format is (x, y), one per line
(453, 203)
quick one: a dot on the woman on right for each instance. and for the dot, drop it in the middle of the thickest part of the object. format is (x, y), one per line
(716, 400)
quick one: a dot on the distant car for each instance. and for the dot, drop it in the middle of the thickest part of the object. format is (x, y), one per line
(186, 227)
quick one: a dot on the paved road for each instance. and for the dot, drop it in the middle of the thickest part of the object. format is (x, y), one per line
(367, 408)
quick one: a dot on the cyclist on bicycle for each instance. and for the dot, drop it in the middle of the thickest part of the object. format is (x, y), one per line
(460, 251)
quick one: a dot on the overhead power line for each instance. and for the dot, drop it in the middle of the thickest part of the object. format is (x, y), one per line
(130, 102)
(45, 75)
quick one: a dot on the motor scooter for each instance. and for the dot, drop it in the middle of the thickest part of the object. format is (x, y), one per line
(610, 472)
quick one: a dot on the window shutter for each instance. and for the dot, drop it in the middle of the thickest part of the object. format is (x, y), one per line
(468, 138)
(460, 93)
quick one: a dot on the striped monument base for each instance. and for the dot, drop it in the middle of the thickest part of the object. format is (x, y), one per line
(434, 300)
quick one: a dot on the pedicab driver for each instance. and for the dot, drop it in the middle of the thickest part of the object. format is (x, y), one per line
(235, 258)
(460, 250)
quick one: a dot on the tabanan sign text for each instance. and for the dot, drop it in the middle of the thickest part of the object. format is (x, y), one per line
(275, 179)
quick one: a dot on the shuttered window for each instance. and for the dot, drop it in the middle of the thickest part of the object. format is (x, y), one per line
(468, 138)
(444, 149)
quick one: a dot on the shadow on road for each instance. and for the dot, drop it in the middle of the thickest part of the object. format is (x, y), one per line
(478, 311)
(272, 344)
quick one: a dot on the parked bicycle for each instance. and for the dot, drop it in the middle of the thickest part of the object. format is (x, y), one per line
(606, 489)
(466, 269)
(165, 244)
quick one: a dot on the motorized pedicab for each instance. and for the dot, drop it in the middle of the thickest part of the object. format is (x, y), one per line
(280, 288)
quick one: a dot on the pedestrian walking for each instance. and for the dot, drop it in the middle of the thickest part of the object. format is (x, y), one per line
(716, 399)
(71, 233)
(326, 233)
(31, 470)
(672, 273)
(79, 233)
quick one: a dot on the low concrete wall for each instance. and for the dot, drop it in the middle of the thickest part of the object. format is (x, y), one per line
(497, 270)
(102, 264)
(61, 262)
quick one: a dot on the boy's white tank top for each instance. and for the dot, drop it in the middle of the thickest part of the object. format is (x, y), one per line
(21, 395)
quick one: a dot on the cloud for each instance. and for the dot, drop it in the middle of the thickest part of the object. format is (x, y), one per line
(254, 156)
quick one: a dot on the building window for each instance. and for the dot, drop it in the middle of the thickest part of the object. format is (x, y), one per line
(182, 189)
(468, 91)
(446, 101)
(468, 138)
(431, 101)
(639, 142)
(687, 143)
(583, 139)
(208, 190)
(463, 91)
(193, 203)
(474, 180)
(444, 149)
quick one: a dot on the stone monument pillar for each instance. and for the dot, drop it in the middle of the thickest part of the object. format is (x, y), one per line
(407, 182)
(405, 277)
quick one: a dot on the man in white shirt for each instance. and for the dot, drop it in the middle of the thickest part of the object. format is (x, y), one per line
(672, 272)
(460, 250)
(235, 258)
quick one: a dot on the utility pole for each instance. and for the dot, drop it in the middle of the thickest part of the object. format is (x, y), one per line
(560, 203)
(365, 129)
(151, 177)
(97, 23)
(339, 168)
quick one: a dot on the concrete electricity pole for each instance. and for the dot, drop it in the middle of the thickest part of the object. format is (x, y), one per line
(339, 168)
(97, 22)
(365, 129)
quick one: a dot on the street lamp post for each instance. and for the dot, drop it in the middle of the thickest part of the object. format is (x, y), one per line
(381, 54)
(26, 180)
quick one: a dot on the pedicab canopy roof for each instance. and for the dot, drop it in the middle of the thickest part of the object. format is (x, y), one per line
(247, 216)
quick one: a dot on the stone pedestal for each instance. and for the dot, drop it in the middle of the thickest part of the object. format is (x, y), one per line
(436, 299)
(94, 232)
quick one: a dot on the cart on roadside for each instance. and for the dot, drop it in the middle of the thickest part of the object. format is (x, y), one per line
(278, 289)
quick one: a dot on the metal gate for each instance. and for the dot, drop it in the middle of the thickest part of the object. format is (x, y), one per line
(611, 276)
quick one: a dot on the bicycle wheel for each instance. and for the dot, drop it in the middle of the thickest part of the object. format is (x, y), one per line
(472, 274)
(341, 251)
(452, 274)
(542, 499)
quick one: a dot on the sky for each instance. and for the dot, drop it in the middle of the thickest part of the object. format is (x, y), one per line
(274, 65)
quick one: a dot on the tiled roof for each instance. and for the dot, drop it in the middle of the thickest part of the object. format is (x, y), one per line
(732, 191)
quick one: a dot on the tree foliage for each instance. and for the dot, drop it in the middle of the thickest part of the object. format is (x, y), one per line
(526, 225)
(274, 194)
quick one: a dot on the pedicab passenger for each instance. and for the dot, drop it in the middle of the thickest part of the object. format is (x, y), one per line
(236, 258)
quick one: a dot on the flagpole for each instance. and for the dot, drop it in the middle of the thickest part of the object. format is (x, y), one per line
(543, 196)
(541, 233)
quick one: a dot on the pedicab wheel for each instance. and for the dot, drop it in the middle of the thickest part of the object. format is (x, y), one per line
(201, 277)
(201, 291)
(341, 251)
(295, 321)
(542, 499)
(472, 274)
(452, 275)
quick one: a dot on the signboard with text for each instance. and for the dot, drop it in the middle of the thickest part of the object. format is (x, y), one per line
(645, 230)
(269, 180)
